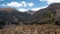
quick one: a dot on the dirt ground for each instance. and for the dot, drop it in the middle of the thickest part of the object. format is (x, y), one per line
(31, 29)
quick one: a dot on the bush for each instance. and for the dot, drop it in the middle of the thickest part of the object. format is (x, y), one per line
(51, 16)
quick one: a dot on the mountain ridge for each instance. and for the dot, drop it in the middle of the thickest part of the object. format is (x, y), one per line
(40, 18)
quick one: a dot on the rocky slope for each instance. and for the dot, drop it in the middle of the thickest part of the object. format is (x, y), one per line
(31, 12)
(12, 16)
(40, 16)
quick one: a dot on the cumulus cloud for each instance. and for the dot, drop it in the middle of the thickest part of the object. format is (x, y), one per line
(31, 4)
(24, 3)
(23, 10)
(33, 9)
(16, 4)
(51, 1)
(36, 9)
(2, 5)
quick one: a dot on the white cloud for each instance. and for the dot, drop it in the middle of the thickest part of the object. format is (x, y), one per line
(24, 3)
(18, 5)
(23, 10)
(14, 4)
(30, 4)
(44, 7)
(51, 1)
(36, 9)
(2, 5)
(33, 9)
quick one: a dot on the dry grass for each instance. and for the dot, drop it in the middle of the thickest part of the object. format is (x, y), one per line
(31, 29)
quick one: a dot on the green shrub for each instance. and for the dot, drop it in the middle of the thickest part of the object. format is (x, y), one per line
(51, 16)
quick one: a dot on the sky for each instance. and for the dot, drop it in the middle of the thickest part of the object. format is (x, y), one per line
(25, 5)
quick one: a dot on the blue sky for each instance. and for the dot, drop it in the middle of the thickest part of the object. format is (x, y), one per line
(25, 5)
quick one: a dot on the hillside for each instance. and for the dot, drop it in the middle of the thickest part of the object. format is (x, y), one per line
(31, 12)
(12, 16)
(31, 29)
(40, 16)
(13, 21)
(48, 15)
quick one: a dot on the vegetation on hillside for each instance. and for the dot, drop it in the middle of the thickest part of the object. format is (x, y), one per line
(51, 16)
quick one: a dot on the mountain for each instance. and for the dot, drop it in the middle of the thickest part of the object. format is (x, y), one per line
(40, 16)
(43, 16)
(30, 12)
(12, 16)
